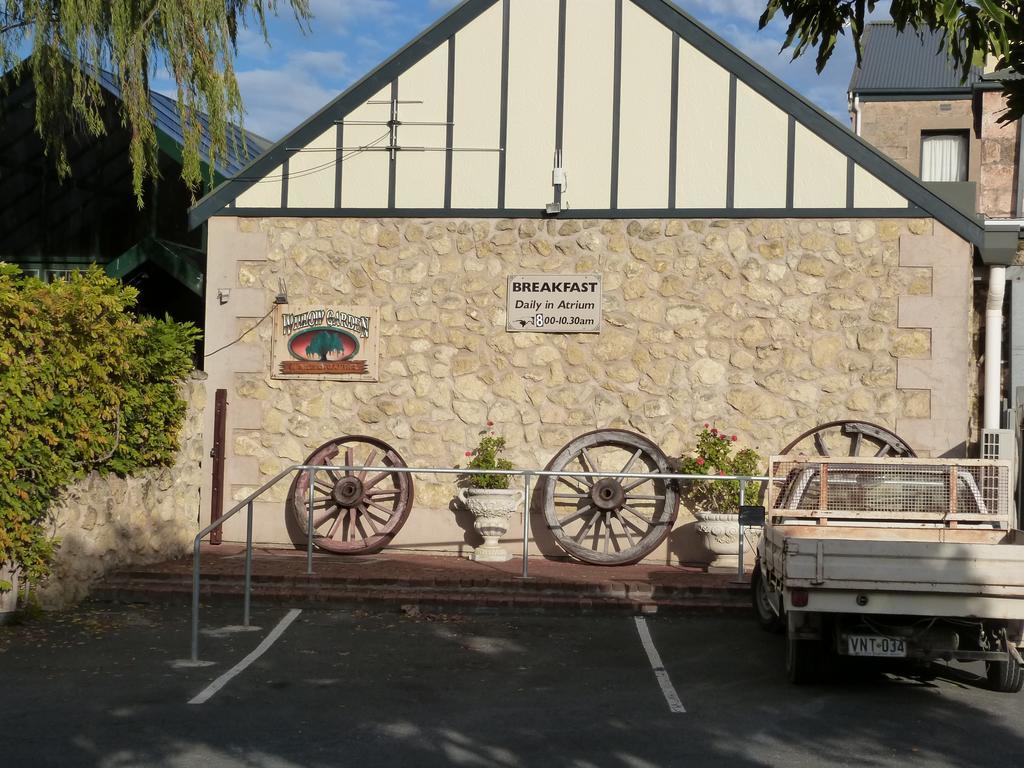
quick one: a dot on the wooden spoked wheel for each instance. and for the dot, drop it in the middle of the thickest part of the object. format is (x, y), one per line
(609, 520)
(849, 438)
(355, 511)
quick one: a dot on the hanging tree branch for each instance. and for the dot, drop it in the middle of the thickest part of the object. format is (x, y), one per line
(195, 41)
(971, 31)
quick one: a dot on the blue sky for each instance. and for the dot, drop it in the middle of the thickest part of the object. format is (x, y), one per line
(285, 83)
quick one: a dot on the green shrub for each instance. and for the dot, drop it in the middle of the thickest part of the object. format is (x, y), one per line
(486, 455)
(84, 384)
(714, 455)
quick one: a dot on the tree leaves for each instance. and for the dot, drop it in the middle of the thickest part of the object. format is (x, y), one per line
(85, 385)
(971, 30)
(194, 40)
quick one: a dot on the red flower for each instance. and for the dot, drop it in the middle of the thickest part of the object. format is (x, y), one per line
(490, 423)
(734, 438)
(721, 471)
(706, 425)
(700, 462)
(469, 453)
(714, 431)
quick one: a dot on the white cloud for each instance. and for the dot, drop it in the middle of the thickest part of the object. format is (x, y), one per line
(339, 14)
(332, 64)
(251, 44)
(277, 100)
(749, 10)
(282, 30)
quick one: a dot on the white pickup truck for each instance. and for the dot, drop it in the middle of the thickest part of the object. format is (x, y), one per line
(911, 559)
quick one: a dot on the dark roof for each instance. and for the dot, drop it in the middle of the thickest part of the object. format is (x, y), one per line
(167, 121)
(908, 61)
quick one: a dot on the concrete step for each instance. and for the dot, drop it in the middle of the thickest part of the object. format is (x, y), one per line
(463, 594)
(301, 581)
(422, 579)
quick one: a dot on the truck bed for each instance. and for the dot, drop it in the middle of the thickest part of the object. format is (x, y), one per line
(909, 570)
(910, 559)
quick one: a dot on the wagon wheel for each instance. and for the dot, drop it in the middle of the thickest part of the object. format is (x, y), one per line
(354, 512)
(845, 438)
(850, 438)
(609, 521)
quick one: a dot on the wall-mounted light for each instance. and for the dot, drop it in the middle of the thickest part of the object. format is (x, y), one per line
(282, 292)
(560, 181)
(223, 294)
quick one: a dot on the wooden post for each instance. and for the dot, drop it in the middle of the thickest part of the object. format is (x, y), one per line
(822, 494)
(220, 415)
(952, 497)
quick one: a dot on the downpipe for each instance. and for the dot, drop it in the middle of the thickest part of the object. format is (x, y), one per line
(993, 346)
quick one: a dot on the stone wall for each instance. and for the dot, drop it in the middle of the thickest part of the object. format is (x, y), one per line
(107, 522)
(763, 327)
(998, 181)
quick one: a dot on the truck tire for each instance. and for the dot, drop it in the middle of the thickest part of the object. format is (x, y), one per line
(769, 620)
(1005, 676)
(805, 661)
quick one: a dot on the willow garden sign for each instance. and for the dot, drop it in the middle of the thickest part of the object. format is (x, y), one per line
(321, 342)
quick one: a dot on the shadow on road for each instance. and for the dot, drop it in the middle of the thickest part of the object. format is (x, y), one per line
(372, 689)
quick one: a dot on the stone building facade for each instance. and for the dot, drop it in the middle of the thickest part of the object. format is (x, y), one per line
(896, 128)
(761, 268)
(764, 327)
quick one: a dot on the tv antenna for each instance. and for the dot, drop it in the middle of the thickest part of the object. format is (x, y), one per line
(393, 123)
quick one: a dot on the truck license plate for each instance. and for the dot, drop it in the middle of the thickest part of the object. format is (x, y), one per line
(876, 645)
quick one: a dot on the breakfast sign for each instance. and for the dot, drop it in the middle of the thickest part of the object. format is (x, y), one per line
(326, 342)
(554, 303)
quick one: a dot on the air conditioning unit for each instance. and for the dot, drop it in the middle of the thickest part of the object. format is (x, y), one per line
(1002, 444)
(998, 444)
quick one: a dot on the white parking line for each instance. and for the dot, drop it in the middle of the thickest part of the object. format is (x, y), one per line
(268, 641)
(674, 704)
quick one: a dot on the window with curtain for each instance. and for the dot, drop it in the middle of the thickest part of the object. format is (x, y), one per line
(944, 157)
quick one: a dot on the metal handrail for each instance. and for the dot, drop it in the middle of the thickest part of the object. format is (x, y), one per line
(526, 474)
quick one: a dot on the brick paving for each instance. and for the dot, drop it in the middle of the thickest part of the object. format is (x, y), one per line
(418, 579)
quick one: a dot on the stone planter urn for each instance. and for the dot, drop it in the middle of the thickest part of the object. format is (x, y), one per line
(491, 510)
(8, 598)
(719, 532)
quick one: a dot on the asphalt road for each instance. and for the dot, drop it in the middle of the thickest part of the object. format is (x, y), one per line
(98, 687)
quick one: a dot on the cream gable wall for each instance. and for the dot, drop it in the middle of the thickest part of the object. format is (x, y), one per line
(646, 101)
(761, 137)
(364, 174)
(702, 151)
(869, 192)
(265, 193)
(417, 172)
(477, 114)
(641, 160)
(311, 175)
(589, 72)
(532, 65)
(817, 166)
